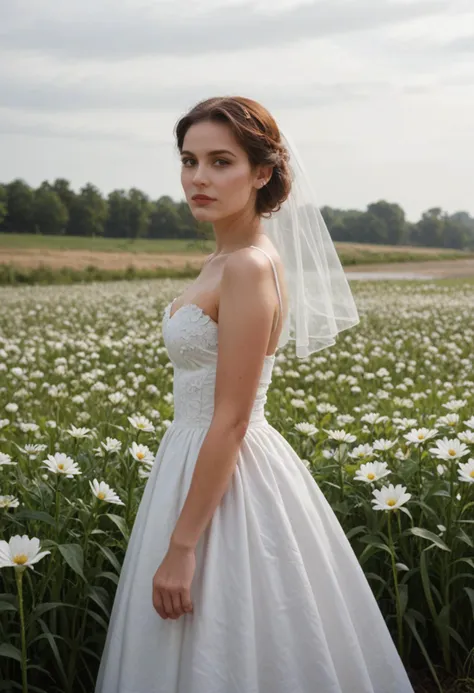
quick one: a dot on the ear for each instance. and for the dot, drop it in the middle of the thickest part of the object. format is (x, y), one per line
(264, 173)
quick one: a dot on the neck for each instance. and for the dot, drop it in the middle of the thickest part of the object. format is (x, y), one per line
(231, 237)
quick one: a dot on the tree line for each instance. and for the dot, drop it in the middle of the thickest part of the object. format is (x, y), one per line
(56, 209)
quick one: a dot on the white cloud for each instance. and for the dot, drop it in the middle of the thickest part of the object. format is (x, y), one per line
(379, 94)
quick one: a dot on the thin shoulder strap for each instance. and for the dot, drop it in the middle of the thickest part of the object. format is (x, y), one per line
(275, 275)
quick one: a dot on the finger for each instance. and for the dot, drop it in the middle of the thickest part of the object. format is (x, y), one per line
(186, 601)
(168, 604)
(177, 606)
(158, 603)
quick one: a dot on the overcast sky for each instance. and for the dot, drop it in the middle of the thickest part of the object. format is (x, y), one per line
(378, 95)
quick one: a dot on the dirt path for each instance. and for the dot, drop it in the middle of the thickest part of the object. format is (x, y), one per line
(80, 259)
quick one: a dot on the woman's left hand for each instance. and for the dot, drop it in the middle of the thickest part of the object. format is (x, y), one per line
(172, 583)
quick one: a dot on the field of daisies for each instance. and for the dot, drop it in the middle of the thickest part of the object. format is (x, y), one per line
(384, 421)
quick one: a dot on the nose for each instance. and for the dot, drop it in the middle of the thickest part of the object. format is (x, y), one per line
(200, 176)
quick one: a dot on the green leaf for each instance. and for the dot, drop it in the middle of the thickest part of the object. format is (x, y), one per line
(74, 557)
(412, 625)
(10, 652)
(109, 554)
(121, 524)
(43, 608)
(27, 514)
(430, 536)
(7, 606)
(470, 593)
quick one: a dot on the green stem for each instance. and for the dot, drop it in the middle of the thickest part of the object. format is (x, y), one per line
(19, 579)
(57, 505)
(395, 584)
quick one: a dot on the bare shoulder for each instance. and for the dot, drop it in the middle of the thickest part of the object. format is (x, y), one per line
(246, 264)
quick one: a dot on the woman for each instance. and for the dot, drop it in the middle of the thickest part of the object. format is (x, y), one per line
(238, 577)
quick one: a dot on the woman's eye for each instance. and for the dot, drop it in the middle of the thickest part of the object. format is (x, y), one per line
(186, 159)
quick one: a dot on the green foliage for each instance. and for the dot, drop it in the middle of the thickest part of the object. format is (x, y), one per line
(132, 215)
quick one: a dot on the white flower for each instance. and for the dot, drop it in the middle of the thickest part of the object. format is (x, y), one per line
(28, 427)
(102, 491)
(374, 418)
(441, 469)
(383, 444)
(466, 471)
(21, 552)
(79, 432)
(371, 471)
(308, 429)
(51, 423)
(450, 420)
(60, 463)
(449, 449)
(466, 437)
(141, 423)
(361, 452)
(141, 453)
(341, 436)
(112, 445)
(9, 502)
(4, 423)
(33, 449)
(5, 459)
(455, 404)
(144, 472)
(298, 403)
(418, 435)
(11, 407)
(390, 497)
(470, 422)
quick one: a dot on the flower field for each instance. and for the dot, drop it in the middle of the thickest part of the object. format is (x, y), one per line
(384, 421)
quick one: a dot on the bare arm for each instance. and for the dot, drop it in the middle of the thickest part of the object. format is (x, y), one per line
(245, 320)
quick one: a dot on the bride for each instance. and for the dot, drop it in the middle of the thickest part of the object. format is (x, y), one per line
(238, 577)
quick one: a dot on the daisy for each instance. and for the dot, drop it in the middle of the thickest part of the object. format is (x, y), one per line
(466, 471)
(466, 437)
(141, 453)
(418, 435)
(390, 497)
(79, 432)
(112, 445)
(371, 471)
(60, 463)
(362, 452)
(5, 459)
(384, 444)
(449, 449)
(341, 436)
(21, 552)
(141, 423)
(102, 491)
(470, 422)
(9, 502)
(308, 429)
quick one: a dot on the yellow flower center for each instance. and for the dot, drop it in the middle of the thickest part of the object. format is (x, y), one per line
(140, 455)
(452, 452)
(391, 502)
(471, 474)
(371, 476)
(60, 465)
(421, 436)
(20, 559)
(101, 495)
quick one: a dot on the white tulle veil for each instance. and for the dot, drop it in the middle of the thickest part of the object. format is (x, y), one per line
(320, 300)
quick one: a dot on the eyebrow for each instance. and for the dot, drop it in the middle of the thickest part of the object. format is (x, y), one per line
(216, 151)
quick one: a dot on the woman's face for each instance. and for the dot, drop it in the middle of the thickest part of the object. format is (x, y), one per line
(215, 165)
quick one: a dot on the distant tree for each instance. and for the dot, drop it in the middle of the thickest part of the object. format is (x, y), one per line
(429, 230)
(3, 204)
(61, 186)
(139, 210)
(88, 213)
(50, 215)
(393, 218)
(164, 221)
(20, 200)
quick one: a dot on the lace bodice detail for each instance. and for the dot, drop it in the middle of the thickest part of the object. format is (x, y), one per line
(190, 338)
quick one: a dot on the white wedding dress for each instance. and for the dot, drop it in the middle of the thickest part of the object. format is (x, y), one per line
(281, 604)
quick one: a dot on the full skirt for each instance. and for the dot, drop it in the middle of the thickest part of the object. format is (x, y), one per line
(281, 603)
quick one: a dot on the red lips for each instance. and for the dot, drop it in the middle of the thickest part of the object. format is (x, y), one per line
(202, 197)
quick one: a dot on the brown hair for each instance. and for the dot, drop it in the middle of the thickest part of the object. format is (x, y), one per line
(257, 133)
